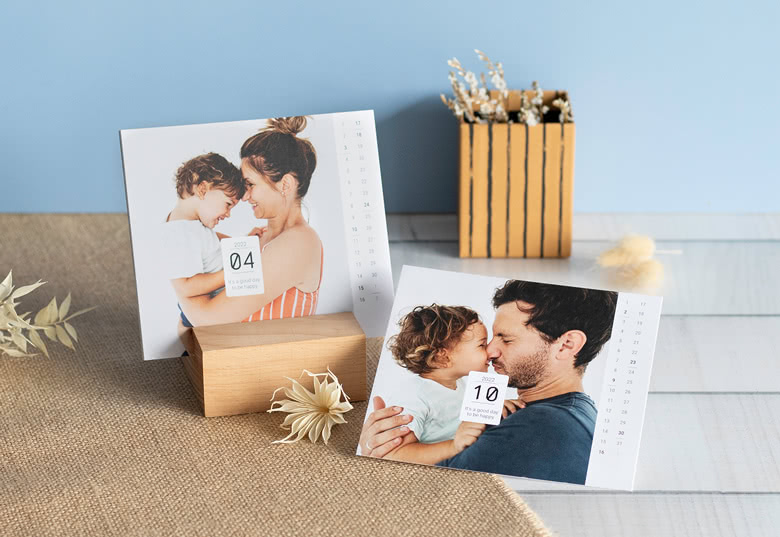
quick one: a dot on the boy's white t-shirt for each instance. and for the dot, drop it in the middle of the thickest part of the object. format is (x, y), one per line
(189, 248)
(436, 409)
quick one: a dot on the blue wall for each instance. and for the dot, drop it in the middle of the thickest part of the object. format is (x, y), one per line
(676, 103)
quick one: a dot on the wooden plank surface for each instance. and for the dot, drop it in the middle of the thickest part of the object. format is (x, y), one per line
(701, 281)
(703, 443)
(609, 227)
(679, 226)
(653, 515)
(717, 354)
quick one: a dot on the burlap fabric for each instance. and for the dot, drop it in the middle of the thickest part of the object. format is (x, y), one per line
(99, 442)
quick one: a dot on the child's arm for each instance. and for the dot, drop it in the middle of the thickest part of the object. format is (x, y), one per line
(199, 284)
(411, 450)
(511, 406)
(259, 231)
(221, 236)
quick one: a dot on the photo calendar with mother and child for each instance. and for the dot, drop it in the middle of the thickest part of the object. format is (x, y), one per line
(256, 220)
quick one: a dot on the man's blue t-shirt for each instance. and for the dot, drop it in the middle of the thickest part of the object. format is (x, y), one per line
(548, 439)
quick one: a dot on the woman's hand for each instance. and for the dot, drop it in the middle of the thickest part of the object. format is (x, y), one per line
(511, 406)
(467, 434)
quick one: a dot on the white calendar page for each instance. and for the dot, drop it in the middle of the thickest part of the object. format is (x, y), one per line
(624, 386)
(365, 226)
(176, 237)
(586, 433)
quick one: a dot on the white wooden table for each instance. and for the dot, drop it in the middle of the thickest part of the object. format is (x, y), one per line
(709, 462)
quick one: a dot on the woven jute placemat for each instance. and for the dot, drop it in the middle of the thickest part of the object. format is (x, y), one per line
(99, 442)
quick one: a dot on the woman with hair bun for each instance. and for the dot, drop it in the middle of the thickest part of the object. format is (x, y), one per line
(277, 166)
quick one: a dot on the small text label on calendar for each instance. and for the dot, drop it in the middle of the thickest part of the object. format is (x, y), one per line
(243, 269)
(484, 398)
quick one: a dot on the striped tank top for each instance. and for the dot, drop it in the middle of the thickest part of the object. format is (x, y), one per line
(291, 303)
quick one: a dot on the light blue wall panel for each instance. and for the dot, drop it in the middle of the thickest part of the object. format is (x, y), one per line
(676, 103)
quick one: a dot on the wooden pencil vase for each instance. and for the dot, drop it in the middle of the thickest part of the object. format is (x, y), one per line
(516, 187)
(236, 367)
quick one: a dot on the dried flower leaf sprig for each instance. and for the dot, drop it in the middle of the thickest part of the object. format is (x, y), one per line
(311, 414)
(470, 95)
(18, 332)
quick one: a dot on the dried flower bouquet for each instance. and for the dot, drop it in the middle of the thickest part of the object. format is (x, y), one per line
(473, 102)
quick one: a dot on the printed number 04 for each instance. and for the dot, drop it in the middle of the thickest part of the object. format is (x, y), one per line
(235, 261)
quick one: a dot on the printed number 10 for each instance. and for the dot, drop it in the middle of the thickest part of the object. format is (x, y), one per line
(235, 260)
(491, 394)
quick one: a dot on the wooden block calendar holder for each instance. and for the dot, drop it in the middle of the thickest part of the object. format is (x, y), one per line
(236, 367)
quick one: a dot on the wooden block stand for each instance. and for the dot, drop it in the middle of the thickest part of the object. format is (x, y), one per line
(236, 367)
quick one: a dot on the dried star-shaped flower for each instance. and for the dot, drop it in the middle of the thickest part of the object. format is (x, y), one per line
(312, 414)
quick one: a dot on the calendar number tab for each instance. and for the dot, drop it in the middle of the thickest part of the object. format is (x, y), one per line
(484, 398)
(243, 269)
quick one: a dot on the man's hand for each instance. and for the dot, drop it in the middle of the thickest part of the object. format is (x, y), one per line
(511, 406)
(382, 432)
(467, 434)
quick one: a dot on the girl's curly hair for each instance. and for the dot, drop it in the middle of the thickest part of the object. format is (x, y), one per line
(210, 168)
(427, 331)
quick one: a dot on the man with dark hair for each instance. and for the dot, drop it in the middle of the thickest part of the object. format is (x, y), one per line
(544, 336)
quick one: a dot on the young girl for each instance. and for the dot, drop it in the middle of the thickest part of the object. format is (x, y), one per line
(208, 186)
(440, 345)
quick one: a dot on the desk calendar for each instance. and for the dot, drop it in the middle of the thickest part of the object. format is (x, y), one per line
(580, 360)
(306, 191)
(626, 380)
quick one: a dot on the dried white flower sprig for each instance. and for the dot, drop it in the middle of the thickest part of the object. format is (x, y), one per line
(18, 331)
(312, 414)
(564, 106)
(471, 96)
(532, 111)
